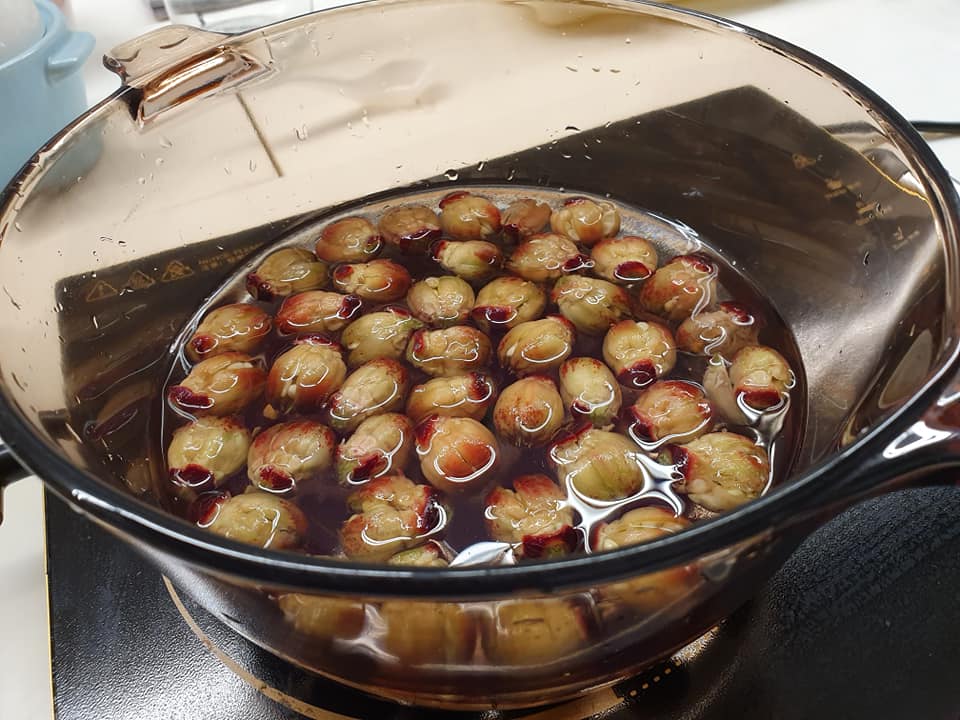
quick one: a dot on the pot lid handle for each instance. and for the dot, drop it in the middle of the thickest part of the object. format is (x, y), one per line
(136, 60)
(177, 64)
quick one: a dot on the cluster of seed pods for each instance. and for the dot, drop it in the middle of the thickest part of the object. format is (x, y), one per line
(538, 331)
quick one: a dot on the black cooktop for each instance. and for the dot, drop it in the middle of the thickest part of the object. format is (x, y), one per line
(862, 622)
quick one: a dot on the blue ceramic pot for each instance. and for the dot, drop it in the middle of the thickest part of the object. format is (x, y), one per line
(41, 89)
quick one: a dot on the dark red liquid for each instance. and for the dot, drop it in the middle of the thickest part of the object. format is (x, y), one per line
(324, 501)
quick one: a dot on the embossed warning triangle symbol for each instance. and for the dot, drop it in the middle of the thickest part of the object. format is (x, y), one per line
(175, 270)
(139, 280)
(101, 290)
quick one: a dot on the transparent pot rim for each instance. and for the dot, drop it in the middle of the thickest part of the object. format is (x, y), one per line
(143, 524)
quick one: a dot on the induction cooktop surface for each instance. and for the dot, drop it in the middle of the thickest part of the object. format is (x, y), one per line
(862, 622)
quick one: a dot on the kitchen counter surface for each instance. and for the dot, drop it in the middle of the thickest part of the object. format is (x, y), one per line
(906, 52)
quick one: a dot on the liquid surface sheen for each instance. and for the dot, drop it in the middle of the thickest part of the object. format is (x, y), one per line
(617, 437)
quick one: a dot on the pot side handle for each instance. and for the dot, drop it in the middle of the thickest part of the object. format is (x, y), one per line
(914, 457)
(932, 442)
(69, 57)
(10, 471)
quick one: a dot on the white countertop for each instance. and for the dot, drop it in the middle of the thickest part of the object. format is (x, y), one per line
(907, 52)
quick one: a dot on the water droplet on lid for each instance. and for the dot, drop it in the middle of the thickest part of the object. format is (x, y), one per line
(481, 165)
(301, 132)
(566, 156)
(227, 170)
(627, 41)
(166, 142)
(595, 69)
(159, 162)
(252, 165)
(572, 128)
(142, 180)
(17, 226)
(143, 156)
(451, 175)
(511, 174)
(79, 178)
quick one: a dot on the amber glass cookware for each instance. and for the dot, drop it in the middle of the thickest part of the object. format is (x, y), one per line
(216, 146)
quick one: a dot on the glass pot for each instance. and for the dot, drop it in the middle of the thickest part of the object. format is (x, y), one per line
(216, 146)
